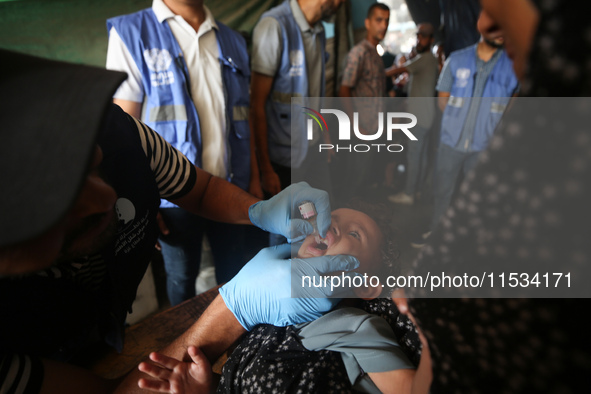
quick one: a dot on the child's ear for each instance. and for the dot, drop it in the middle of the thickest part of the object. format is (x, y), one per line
(369, 292)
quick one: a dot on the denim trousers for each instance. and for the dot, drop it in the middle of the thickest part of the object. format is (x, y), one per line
(417, 158)
(451, 167)
(232, 246)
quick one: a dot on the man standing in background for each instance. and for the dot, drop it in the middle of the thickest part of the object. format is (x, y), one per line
(423, 76)
(182, 66)
(288, 61)
(364, 74)
(365, 79)
(474, 88)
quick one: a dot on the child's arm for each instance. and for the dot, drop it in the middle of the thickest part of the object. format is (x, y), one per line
(215, 331)
(397, 381)
(169, 375)
(407, 381)
(423, 376)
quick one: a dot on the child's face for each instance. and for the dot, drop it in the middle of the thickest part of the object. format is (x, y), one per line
(352, 233)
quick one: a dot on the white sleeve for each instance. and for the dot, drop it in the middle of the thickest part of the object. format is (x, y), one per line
(119, 59)
(267, 45)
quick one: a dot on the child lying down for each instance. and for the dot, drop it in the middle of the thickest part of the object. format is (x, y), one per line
(368, 346)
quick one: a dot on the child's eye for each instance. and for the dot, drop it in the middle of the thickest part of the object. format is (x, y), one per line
(355, 234)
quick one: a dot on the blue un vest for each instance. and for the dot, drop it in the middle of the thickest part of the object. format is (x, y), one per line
(70, 315)
(500, 85)
(165, 80)
(290, 80)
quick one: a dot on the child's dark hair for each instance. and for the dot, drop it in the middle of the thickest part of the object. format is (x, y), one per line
(382, 215)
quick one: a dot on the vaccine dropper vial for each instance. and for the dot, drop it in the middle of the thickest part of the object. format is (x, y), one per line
(308, 212)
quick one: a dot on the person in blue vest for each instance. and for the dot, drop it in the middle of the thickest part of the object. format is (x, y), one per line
(288, 61)
(423, 77)
(474, 89)
(189, 81)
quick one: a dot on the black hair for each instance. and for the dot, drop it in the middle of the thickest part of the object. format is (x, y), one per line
(374, 6)
(383, 216)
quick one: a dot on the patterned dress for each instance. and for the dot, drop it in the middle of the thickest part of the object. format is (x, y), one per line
(526, 206)
(273, 360)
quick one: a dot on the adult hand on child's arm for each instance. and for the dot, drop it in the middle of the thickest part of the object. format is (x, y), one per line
(261, 293)
(407, 381)
(169, 375)
(275, 215)
(424, 375)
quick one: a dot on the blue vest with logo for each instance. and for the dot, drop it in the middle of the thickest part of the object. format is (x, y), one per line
(500, 86)
(168, 106)
(290, 81)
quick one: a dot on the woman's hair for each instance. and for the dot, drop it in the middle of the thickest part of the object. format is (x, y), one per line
(382, 215)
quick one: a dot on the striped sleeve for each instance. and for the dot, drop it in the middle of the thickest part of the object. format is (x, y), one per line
(175, 174)
(20, 374)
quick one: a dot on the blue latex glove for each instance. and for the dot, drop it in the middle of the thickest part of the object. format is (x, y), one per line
(274, 215)
(261, 293)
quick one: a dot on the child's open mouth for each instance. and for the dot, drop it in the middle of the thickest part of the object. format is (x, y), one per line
(318, 248)
(321, 246)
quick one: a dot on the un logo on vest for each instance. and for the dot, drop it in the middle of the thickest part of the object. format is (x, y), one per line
(462, 74)
(296, 61)
(296, 58)
(157, 59)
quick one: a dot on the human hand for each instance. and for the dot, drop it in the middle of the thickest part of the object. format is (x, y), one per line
(261, 293)
(254, 186)
(169, 375)
(424, 375)
(271, 182)
(399, 298)
(274, 215)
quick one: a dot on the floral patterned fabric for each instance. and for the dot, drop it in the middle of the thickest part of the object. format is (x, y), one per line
(526, 205)
(272, 359)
